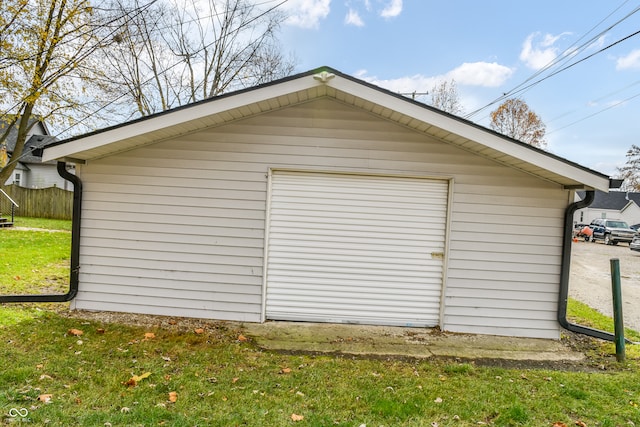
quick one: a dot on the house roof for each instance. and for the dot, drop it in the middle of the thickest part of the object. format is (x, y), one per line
(13, 132)
(614, 200)
(321, 83)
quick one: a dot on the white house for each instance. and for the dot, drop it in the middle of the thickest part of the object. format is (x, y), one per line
(31, 171)
(614, 205)
(321, 197)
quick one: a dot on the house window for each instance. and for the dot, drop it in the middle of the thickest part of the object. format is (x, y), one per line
(16, 179)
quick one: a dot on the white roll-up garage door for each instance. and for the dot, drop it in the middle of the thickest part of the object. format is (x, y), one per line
(355, 249)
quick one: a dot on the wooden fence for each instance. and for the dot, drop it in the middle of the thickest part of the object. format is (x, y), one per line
(52, 202)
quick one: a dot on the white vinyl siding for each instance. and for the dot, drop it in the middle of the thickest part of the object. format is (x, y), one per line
(187, 216)
(355, 249)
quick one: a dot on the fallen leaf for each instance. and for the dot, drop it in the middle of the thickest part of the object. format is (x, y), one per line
(581, 423)
(75, 332)
(39, 366)
(124, 409)
(173, 396)
(199, 331)
(173, 322)
(559, 424)
(134, 380)
(16, 278)
(46, 398)
(100, 331)
(438, 400)
(285, 370)
(149, 335)
(45, 377)
(296, 417)
(242, 338)
(235, 380)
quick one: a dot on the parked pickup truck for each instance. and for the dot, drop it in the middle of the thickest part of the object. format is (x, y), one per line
(611, 231)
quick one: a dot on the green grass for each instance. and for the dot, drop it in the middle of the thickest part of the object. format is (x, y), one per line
(35, 261)
(48, 224)
(221, 381)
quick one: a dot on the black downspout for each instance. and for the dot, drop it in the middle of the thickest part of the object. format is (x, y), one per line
(75, 248)
(564, 274)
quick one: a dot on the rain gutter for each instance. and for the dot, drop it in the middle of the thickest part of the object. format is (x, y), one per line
(75, 249)
(564, 274)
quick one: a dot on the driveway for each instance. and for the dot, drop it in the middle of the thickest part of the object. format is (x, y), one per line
(590, 280)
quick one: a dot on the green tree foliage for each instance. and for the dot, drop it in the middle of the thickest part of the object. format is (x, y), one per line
(514, 119)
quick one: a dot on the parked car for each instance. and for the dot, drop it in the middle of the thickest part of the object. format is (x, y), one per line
(635, 227)
(611, 231)
(635, 243)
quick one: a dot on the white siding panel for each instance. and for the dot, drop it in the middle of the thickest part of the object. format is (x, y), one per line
(204, 196)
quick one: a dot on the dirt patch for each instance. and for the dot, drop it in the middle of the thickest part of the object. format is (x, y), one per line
(590, 280)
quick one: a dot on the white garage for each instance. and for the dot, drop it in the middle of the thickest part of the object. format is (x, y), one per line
(321, 197)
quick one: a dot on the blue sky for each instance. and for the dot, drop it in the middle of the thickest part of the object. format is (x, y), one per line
(491, 48)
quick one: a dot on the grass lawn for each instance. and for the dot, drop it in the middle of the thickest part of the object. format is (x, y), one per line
(60, 370)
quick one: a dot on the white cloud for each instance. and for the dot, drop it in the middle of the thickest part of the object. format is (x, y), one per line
(353, 18)
(486, 74)
(392, 9)
(307, 13)
(468, 74)
(537, 53)
(629, 62)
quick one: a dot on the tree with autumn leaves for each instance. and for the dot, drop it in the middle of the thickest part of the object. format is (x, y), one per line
(81, 67)
(44, 46)
(515, 119)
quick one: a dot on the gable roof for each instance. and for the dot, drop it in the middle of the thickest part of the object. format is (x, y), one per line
(321, 83)
(614, 200)
(34, 123)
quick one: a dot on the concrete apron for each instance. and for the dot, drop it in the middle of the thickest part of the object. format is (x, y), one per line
(388, 341)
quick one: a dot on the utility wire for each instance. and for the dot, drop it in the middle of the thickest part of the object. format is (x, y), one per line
(35, 147)
(563, 59)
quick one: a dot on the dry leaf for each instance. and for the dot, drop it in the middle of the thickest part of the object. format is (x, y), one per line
(173, 396)
(75, 332)
(46, 398)
(149, 335)
(581, 424)
(100, 331)
(296, 417)
(173, 322)
(134, 380)
(199, 331)
(559, 424)
(235, 380)
(242, 338)
(438, 400)
(39, 366)
(45, 377)
(285, 370)
(16, 278)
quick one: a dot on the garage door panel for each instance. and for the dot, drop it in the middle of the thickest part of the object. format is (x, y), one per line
(349, 248)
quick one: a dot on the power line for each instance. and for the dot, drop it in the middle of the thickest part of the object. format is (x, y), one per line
(113, 101)
(568, 54)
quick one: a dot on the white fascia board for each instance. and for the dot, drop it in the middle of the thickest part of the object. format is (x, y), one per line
(472, 133)
(177, 117)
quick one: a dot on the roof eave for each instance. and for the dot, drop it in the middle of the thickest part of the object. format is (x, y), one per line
(313, 84)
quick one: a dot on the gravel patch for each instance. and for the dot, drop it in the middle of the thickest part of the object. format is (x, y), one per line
(590, 280)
